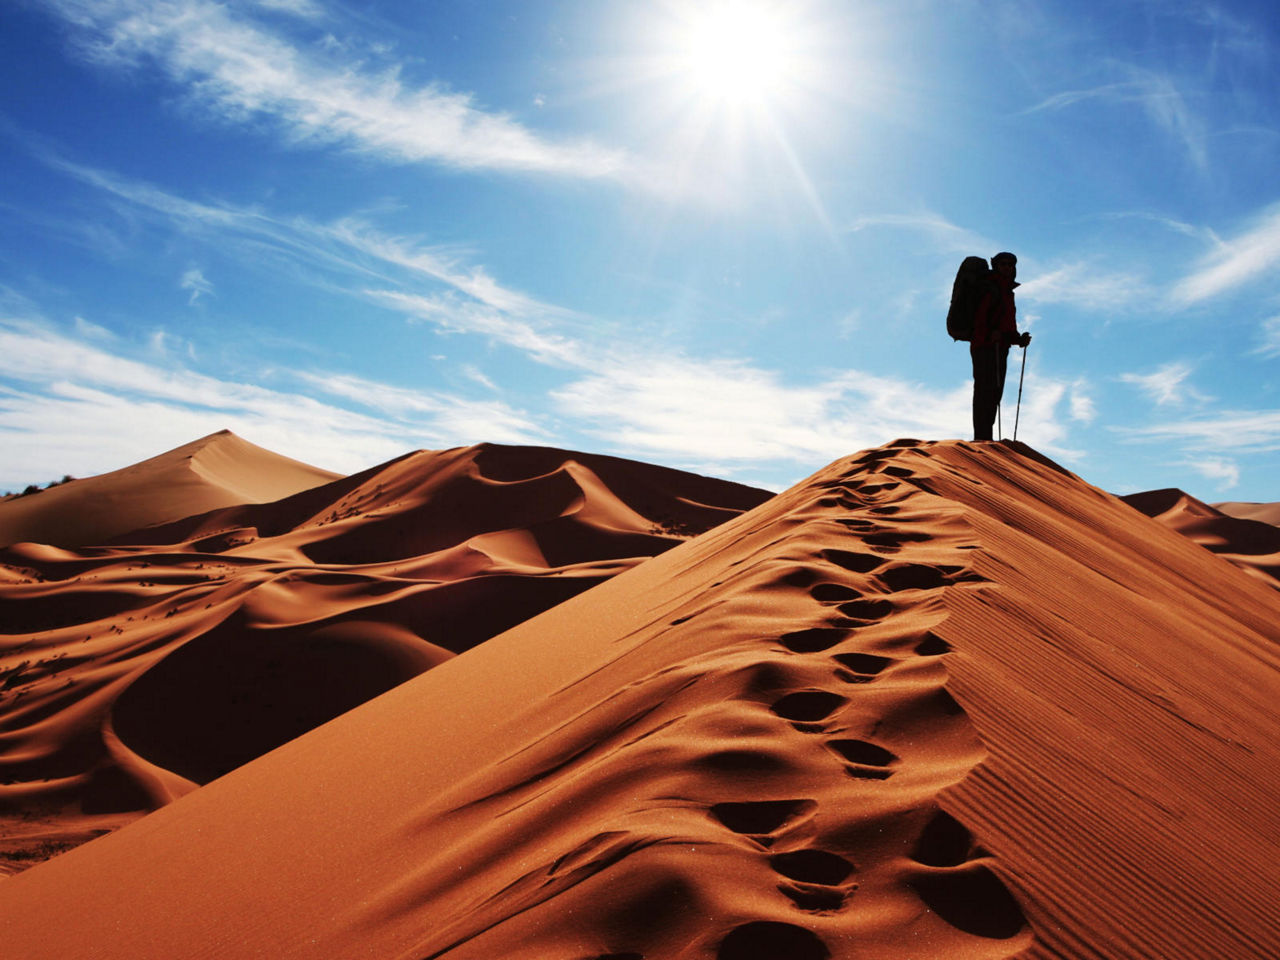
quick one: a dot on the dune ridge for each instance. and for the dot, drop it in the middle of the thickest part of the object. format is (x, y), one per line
(215, 471)
(940, 699)
(1246, 538)
(133, 672)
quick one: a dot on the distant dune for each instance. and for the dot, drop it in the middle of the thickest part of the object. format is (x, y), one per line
(215, 471)
(1241, 534)
(1264, 512)
(940, 700)
(131, 673)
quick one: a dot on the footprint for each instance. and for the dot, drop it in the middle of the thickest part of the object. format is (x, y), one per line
(833, 593)
(853, 524)
(913, 576)
(867, 761)
(813, 639)
(895, 538)
(972, 898)
(808, 705)
(932, 646)
(944, 842)
(863, 667)
(761, 816)
(866, 609)
(817, 878)
(770, 940)
(812, 866)
(857, 562)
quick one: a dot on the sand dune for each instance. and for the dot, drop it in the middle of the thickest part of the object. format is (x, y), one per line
(939, 700)
(1263, 512)
(215, 471)
(1244, 538)
(133, 672)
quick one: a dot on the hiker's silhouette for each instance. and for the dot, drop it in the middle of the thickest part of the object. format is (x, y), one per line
(995, 329)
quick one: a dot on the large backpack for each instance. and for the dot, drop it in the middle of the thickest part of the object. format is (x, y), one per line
(973, 279)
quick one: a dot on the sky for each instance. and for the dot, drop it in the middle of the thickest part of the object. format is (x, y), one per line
(713, 235)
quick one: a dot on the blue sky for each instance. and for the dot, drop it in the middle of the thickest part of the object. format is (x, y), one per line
(718, 236)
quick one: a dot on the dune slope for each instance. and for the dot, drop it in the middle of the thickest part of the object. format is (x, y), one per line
(215, 471)
(1245, 538)
(940, 700)
(131, 673)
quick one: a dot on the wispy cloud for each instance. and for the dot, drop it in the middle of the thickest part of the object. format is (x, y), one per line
(1244, 431)
(1235, 262)
(1081, 403)
(1167, 385)
(1269, 336)
(349, 245)
(79, 408)
(1087, 286)
(450, 315)
(239, 70)
(944, 234)
(1159, 96)
(1216, 468)
(193, 280)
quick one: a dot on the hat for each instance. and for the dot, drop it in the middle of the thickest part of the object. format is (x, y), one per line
(1003, 255)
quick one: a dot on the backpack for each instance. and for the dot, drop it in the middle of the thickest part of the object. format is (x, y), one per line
(973, 279)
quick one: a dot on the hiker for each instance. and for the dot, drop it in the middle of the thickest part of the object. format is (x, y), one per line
(995, 329)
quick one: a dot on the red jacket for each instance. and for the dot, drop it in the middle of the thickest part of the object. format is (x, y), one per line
(996, 317)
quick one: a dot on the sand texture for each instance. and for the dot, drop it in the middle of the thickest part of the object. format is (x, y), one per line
(215, 471)
(1264, 512)
(941, 700)
(134, 672)
(1246, 534)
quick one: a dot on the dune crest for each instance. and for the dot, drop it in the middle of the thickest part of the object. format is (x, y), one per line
(1245, 537)
(133, 672)
(215, 471)
(938, 700)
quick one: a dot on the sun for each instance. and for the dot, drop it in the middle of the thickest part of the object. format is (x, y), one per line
(737, 52)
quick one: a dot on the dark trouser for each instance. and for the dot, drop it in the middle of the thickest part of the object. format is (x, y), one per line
(989, 362)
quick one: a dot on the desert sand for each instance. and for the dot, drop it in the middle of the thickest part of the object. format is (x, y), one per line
(1244, 533)
(215, 471)
(938, 700)
(132, 673)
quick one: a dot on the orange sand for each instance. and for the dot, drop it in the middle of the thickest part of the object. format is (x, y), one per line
(215, 471)
(130, 674)
(1244, 537)
(940, 700)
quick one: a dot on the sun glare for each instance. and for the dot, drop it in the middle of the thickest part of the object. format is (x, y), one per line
(738, 51)
(735, 52)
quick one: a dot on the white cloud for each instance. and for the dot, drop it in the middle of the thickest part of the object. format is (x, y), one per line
(1158, 95)
(92, 331)
(1167, 385)
(348, 245)
(1086, 286)
(1235, 262)
(240, 71)
(488, 420)
(944, 234)
(1081, 404)
(1251, 431)
(451, 315)
(1216, 468)
(475, 374)
(1270, 338)
(193, 279)
(732, 411)
(72, 407)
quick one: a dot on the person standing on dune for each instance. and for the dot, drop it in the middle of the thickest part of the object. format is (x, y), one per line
(995, 329)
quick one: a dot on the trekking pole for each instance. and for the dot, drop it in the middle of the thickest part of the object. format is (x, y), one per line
(1020, 376)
